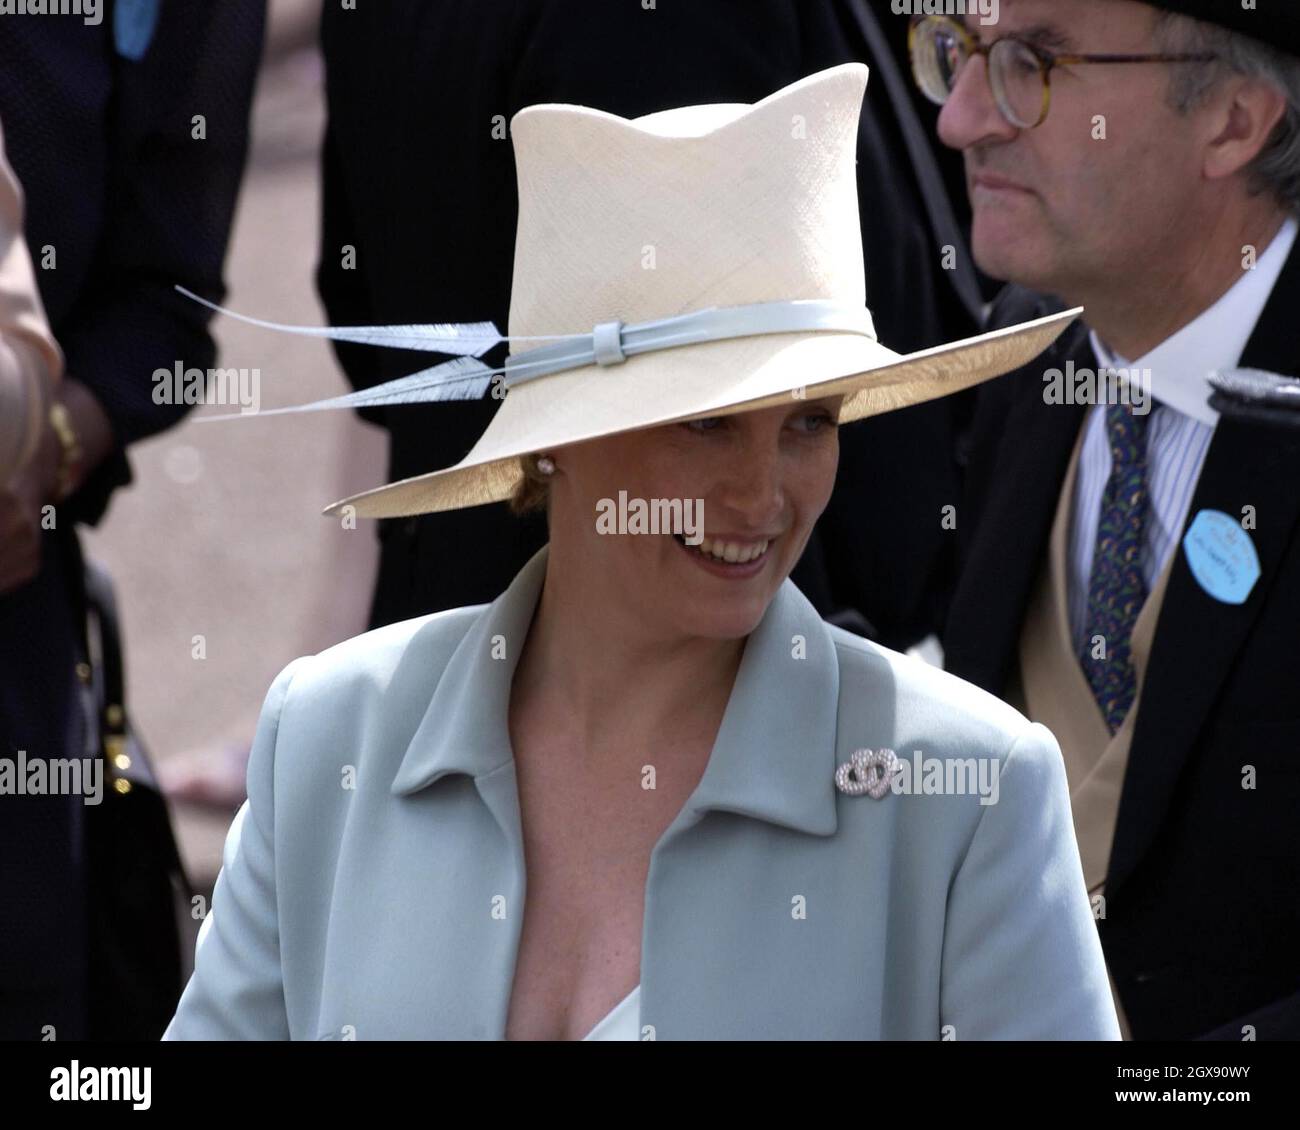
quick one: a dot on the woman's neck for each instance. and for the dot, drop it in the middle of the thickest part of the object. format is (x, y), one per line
(611, 680)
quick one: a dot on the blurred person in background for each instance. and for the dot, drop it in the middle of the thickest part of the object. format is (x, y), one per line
(1130, 559)
(30, 361)
(419, 215)
(129, 137)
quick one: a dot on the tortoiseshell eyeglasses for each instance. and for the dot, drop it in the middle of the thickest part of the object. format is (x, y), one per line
(1019, 72)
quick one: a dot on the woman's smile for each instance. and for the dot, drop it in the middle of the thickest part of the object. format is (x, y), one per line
(730, 558)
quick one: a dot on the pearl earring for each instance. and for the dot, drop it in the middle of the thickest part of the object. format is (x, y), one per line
(546, 465)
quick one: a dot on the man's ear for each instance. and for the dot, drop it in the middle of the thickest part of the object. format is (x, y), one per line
(1246, 113)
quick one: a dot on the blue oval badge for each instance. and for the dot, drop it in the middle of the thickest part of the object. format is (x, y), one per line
(134, 22)
(1221, 556)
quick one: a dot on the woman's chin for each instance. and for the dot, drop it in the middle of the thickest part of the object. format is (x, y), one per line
(720, 618)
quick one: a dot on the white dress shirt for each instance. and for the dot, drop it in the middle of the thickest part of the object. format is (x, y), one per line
(1180, 429)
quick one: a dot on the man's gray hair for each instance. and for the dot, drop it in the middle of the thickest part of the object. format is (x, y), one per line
(1277, 168)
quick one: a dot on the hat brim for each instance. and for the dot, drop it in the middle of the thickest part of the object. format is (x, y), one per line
(588, 404)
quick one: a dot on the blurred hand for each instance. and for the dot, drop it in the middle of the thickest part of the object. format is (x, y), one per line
(21, 500)
(213, 777)
(35, 485)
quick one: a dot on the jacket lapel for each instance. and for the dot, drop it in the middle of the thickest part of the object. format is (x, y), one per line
(710, 963)
(1198, 638)
(458, 801)
(774, 756)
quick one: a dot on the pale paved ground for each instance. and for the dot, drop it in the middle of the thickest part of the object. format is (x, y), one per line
(221, 535)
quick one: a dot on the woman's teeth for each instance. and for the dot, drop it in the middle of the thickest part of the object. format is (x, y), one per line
(730, 552)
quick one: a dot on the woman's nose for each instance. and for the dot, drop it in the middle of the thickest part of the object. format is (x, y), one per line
(754, 488)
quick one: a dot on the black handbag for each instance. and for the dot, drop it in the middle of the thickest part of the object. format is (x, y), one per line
(137, 883)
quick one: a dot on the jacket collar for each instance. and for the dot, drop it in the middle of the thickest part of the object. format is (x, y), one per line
(775, 754)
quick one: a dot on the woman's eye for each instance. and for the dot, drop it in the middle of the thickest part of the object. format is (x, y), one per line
(814, 422)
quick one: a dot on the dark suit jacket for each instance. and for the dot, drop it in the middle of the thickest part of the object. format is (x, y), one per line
(128, 203)
(416, 183)
(1202, 919)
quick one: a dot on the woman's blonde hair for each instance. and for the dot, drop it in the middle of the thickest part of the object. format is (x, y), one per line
(534, 489)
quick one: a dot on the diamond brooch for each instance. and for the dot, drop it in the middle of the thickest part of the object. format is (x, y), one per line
(867, 771)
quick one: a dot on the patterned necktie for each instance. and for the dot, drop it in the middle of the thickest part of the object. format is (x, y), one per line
(1117, 588)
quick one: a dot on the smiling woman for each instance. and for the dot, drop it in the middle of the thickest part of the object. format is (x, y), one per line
(763, 478)
(622, 798)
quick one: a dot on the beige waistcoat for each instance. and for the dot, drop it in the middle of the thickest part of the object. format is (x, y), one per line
(1050, 687)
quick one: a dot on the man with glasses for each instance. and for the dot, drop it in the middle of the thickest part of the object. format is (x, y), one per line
(1130, 560)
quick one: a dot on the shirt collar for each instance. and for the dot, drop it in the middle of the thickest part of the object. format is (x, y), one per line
(1214, 340)
(775, 754)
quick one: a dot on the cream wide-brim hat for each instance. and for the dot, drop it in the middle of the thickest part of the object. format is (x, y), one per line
(704, 206)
